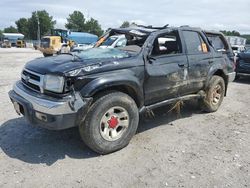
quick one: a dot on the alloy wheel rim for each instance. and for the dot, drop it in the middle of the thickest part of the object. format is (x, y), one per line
(216, 95)
(114, 123)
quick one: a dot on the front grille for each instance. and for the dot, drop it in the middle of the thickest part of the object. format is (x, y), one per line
(32, 80)
(32, 76)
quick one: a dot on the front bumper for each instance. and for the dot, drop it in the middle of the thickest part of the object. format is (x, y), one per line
(48, 112)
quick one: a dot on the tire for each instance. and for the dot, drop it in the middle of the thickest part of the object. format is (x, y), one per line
(106, 115)
(214, 94)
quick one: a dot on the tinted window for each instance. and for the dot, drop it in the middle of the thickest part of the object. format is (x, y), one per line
(195, 44)
(217, 43)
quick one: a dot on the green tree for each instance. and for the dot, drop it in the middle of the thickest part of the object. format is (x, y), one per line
(46, 23)
(22, 26)
(92, 26)
(125, 24)
(10, 29)
(1, 35)
(231, 33)
(246, 37)
(76, 21)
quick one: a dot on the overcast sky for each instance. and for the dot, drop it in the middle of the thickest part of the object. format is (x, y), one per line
(208, 14)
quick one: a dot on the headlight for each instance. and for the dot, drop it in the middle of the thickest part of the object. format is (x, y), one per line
(54, 83)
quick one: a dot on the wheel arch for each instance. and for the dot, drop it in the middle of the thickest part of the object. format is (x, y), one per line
(221, 73)
(101, 86)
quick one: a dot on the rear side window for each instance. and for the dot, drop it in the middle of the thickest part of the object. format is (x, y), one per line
(217, 42)
(194, 42)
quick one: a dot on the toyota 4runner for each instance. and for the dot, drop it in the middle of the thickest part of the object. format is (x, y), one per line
(103, 91)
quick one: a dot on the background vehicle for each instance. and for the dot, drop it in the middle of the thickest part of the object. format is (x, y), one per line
(20, 43)
(13, 37)
(112, 42)
(103, 90)
(6, 44)
(238, 49)
(243, 63)
(82, 47)
(52, 44)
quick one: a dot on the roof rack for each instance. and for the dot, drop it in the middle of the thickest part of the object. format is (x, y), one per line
(151, 27)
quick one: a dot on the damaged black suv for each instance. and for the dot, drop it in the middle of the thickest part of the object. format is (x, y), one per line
(103, 90)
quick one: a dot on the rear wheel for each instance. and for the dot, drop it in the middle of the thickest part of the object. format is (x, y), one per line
(214, 94)
(110, 123)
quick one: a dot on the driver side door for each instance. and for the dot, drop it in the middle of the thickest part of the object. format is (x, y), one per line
(166, 69)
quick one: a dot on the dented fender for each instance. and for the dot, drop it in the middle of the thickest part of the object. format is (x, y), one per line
(122, 79)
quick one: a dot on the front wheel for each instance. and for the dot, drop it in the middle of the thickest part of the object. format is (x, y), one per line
(214, 94)
(110, 123)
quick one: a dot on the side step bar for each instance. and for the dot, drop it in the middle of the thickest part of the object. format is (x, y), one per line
(199, 95)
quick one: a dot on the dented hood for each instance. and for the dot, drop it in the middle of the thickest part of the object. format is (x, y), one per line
(62, 64)
(54, 65)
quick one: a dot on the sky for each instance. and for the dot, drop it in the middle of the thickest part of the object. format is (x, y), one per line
(207, 14)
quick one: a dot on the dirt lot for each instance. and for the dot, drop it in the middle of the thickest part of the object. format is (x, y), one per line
(196, 150)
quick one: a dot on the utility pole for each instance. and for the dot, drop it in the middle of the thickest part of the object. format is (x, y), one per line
(38, 30)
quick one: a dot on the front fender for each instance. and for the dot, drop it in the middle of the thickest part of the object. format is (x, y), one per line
(120, 79)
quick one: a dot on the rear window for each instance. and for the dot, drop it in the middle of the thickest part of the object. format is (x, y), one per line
(217, 42)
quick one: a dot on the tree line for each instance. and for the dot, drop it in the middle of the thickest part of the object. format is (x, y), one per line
(75, 22)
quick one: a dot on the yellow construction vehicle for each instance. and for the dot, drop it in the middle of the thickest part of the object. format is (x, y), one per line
(53, 44)
(20, 43)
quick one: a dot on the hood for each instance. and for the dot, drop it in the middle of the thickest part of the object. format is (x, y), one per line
(57, 64)
(62, 64)
(244, 55)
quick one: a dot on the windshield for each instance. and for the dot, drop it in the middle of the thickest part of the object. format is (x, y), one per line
(109, 41)
(45, 42)
(106, 53)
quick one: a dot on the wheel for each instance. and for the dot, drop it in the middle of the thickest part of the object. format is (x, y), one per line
(214, 94)
(47, 55)
(110, 123)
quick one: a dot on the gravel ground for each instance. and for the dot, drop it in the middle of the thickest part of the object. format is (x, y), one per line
(195, 150)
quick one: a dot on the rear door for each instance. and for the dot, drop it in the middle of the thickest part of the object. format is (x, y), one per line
(199, 59)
